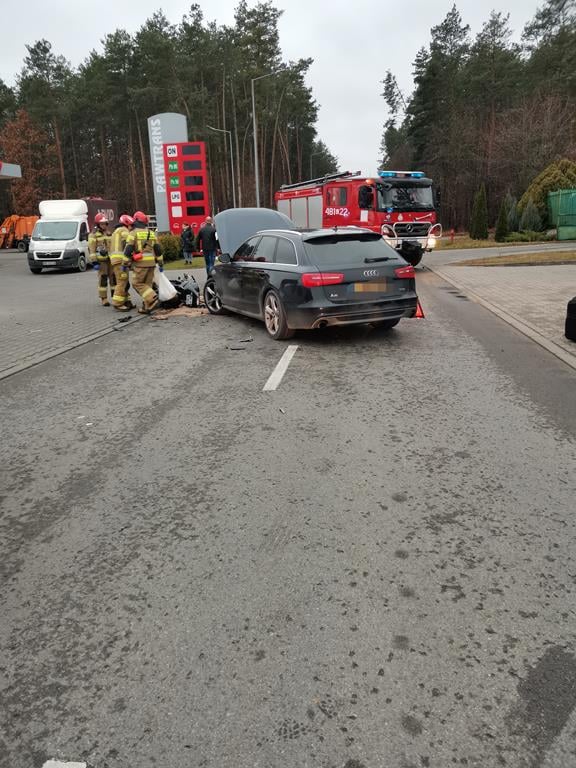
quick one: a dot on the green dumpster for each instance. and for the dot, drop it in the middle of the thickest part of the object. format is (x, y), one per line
(562, 208)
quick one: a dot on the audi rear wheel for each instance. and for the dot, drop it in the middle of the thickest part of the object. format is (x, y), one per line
(275, 317)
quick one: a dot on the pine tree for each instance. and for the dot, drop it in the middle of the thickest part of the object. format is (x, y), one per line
(530, 221)
(502, 223)
(7, 102)
(479, 223)
(511, 212)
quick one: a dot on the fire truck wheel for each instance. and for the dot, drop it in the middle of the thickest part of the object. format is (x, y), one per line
(275, 317)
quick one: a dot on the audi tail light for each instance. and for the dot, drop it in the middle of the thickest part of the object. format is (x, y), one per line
(316, 279)
(405, 273)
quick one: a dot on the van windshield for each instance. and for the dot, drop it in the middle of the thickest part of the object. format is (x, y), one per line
(55, 230)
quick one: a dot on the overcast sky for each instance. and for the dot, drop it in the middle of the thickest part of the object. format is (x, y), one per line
(353, 43)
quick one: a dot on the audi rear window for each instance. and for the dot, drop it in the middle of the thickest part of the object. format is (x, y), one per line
(337, 249)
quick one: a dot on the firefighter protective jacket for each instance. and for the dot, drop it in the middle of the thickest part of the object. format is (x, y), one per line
(98, 243)
(142, 241)
(118, 244)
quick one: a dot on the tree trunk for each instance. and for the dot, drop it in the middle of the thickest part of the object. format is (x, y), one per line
(249, 175)
(60, 157)
(237, 145)
(104, 154)
(212, 210)
(144, 165)
(298, 155)
(135, 195)
(273, 154)
(225, 142)
(284, 146)
(262, 161)
(74, 156)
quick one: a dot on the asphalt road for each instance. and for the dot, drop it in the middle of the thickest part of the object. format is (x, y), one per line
(370, 567)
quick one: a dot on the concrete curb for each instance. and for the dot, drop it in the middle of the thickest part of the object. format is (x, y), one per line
(515, 322)
(13, 370)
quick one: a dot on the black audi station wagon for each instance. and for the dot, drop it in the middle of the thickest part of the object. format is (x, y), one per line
(296, 280)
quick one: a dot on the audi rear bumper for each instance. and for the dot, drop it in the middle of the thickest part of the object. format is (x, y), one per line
(320, 317)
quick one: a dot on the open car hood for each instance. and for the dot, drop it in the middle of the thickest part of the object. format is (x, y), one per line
(236, 225)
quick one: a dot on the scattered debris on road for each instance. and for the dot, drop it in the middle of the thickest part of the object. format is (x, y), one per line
(183, 311)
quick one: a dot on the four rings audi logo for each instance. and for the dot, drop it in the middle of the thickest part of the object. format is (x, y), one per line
(371, 273)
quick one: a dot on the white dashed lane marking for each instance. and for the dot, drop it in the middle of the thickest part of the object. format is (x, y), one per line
(278, 373)
(60, 764)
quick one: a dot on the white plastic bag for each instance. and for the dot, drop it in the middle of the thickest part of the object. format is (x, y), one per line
(166, 290)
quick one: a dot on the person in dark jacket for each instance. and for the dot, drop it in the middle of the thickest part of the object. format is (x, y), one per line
(207, 242)
(187, 243)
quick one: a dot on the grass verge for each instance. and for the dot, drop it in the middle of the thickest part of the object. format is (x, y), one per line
(521, 260)
(197, 263)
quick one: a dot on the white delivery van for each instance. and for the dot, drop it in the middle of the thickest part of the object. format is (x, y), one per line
(60, 236)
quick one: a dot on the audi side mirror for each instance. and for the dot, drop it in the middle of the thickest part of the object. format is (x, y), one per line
(225, 258)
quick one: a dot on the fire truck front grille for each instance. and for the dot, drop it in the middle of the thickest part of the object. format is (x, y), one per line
(412, 229)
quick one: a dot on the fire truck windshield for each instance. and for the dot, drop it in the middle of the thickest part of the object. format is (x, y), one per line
(404, 197)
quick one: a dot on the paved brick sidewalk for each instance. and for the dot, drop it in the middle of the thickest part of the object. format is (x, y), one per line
(535, 296)
(41, 315)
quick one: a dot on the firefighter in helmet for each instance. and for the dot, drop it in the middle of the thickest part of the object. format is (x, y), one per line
(98, 248)
(142, 254)
(120, 300)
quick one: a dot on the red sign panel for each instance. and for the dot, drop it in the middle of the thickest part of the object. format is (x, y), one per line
(186, 184)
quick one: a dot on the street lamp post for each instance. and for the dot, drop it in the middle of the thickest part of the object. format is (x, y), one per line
(255, 129)
(223, 130)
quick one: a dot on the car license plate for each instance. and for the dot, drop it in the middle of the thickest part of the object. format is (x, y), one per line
(50, 263)
(370, 287)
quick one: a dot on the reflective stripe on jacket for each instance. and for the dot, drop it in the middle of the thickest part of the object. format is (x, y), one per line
(98, 239)
(143, 241)
(118, 243)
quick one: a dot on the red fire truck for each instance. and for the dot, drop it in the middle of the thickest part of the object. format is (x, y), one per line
(399, 204)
